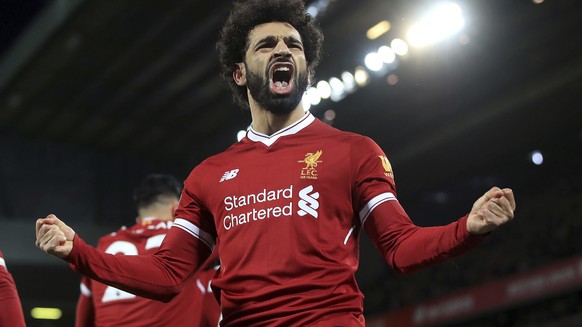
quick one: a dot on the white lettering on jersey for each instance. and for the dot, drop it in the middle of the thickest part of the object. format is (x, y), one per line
(200, 286)
(111, 293)
(126, 248)
(154, 241)
(308, 203)
(234, 202)
(229, 175)
(86, 291)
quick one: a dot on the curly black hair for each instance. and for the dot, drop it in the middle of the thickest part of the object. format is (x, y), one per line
(245, 15)
(155, 186)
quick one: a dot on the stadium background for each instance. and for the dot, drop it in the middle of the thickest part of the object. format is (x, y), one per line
(95, 94)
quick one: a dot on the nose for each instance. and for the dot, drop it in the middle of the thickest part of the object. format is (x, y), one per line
(281, 50)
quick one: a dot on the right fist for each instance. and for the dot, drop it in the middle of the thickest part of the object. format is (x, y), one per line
(54, 237)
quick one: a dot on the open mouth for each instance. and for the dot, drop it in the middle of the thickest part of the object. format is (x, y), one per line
(281, 77)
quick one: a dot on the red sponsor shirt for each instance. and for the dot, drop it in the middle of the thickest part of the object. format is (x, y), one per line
(102, 305)
(10, 307)
(285, 213)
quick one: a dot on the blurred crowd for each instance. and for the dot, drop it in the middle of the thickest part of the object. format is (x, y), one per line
(547, 228)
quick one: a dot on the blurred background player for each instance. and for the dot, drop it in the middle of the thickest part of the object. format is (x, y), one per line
(156, 198)
(207, 307)
(10, 307)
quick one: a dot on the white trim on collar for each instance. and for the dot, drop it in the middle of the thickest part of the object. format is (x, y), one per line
(268, 140)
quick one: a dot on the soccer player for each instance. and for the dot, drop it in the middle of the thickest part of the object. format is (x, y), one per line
(285, 206)
(10, 307)
(206, 302)
(156, 199)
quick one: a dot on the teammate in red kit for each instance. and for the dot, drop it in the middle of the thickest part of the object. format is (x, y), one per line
(10, 307)
(206, 303)
(156, 199)
(285, 206)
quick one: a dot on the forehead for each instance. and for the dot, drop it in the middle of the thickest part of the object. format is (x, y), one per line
(277, 29)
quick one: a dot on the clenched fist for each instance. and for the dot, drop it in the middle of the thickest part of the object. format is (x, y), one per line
(491, 210)
(54, 237)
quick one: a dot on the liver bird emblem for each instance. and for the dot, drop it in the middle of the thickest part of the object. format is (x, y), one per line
(312, 159)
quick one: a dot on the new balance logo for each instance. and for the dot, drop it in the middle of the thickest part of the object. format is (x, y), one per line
(308, 203)
(229, 175)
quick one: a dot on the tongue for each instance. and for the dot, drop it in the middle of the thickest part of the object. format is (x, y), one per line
(281, 85)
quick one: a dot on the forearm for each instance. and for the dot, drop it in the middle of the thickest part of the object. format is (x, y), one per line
(158, 276)
(426, 246)
(408, 248)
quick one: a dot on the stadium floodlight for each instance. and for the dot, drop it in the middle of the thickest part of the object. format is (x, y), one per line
(337, 89)
(399, 46)
(378, 30)
(373, 61)
(337, 86)
(317, 7)
(329, 115)
(441, 22)
(306, 103)
(312, 96)
(537, 158)
(387, 54)
(324, 89)
(361, 76)
(349, 82)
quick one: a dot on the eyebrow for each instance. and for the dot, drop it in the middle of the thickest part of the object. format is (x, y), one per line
(272, 38)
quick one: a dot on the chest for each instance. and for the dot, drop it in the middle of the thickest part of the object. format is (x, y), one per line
(298, 185)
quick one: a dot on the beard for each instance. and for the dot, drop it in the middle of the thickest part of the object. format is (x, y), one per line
(278, 104)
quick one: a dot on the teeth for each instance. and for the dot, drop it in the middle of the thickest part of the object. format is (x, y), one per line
(281, 85)
(282, 69)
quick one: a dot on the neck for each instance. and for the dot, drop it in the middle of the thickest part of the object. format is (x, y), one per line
(268, 123)
(157, 214)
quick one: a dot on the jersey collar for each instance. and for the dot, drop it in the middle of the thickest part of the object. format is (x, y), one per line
(289, 130)
(146, 220)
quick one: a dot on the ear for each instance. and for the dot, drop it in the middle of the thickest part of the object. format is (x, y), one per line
(310, 74)
(173, 208)
(239, 75)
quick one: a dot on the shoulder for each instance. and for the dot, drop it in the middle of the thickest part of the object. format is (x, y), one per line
(233, 150)
(215, 162)
(340, 136)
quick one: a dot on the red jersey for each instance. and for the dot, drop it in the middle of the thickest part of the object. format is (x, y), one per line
(206, 306)
(102, 305)
(10, 307)
(285, 213)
